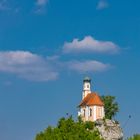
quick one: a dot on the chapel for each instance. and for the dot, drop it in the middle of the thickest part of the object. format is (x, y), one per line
(91, 107)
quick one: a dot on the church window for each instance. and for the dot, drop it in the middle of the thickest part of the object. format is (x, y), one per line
(90, 112)
(99, 112)
(84, 112)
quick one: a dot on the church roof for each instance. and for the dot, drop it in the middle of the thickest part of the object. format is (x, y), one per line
(91, 99)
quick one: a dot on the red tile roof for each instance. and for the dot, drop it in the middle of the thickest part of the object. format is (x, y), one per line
(91, 99)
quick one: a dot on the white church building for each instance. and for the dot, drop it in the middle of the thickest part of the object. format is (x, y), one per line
(91, 106)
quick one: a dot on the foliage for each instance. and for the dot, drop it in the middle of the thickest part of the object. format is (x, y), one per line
(111, 107)
(89, 125)
(68, 129)
(135, 137)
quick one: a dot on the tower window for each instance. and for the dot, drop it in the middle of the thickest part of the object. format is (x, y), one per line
(90, 112)
(87, 86)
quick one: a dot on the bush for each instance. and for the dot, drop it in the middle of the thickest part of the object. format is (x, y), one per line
(135, 137)
(68, 129)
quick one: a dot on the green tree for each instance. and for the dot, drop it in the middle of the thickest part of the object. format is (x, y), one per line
(135, 137)
(111, 106)
(68, 129)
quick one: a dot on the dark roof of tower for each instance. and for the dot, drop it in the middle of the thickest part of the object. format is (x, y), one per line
(87, 79)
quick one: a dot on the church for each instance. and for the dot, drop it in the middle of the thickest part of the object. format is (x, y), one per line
(91, 106)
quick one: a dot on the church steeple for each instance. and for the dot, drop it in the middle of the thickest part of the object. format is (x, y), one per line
(86, 86)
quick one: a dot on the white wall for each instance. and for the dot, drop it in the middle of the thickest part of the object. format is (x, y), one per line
(86, 89)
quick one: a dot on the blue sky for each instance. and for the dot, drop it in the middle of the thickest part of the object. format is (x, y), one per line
(47, 47)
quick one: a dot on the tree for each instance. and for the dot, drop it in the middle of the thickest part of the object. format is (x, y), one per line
(68, 129)
(135, 137)
(111, 106)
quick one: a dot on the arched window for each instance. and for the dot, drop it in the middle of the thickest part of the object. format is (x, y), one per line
(84, 112)
(99, 112)
(90, 112)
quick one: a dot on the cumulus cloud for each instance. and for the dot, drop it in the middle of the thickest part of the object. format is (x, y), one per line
(102, 4)
(33, 67)
(40, 6)
(27, 65)
(4, 6)
(41, 2)
(90, 44)
(88, 66)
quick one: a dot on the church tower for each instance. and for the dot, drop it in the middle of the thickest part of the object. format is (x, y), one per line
(86, 86)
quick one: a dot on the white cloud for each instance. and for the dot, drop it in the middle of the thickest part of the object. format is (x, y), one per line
(90, 44)
(102, 4)
(41, 2)
(33, 67)
(88, 66)
(40, 6)
(27, 65)
(4, 6)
